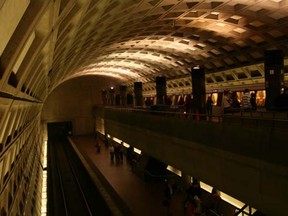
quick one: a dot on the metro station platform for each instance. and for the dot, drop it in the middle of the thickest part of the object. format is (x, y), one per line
(140, 197)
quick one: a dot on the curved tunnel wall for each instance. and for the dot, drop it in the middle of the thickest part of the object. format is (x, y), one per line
(246, 162)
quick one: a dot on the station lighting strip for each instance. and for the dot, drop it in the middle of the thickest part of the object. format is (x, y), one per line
(44, 182)
(138, 151)
(227, 198)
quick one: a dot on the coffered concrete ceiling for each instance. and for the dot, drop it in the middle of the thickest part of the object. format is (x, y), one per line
(44, 43)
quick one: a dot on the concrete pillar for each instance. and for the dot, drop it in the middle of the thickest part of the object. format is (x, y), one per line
(130, 99)
(274, 76)
(198, 90)
(160, 90)
(117, 99)
(111, 96)
(138, 93)
(123, 95)
(104, 97)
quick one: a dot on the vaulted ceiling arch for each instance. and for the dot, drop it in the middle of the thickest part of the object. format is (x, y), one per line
(68, 38)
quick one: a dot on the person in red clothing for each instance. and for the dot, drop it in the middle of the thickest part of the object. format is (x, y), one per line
(190, 207)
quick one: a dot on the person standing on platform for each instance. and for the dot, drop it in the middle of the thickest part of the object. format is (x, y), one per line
(234, 100)
(190, 206)
(281, 102)
(214, 201)
(226, 102)
(98, 145)
(106, 141)
(129, 155)
(253, 101)
(111, 151)
(168, 192)
(209, 106)
(121, 150)
(117, 153)
(189, 106)
(246, 100)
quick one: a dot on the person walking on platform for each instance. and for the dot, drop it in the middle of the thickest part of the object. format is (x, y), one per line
(106, 140)
(121, 150)
(117, 153)
(111, 151)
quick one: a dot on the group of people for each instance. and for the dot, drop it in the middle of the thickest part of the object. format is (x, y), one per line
(195, 203)
(192, 202)
(116, 152)
(230, 101)
(281, 101)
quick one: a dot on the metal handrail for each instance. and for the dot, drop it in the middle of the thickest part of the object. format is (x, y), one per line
(235, 112)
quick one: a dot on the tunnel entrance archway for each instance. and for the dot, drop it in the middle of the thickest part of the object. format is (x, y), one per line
(62, 127)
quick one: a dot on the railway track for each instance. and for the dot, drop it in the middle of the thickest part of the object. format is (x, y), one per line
(70, 189)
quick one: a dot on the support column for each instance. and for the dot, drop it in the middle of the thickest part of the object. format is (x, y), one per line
(198, 90)
(274, 76)
(117, 99)
(111, 96)
(123, 95)
(104, 97)
(138, 93)
(130, 99)
(160, 90)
